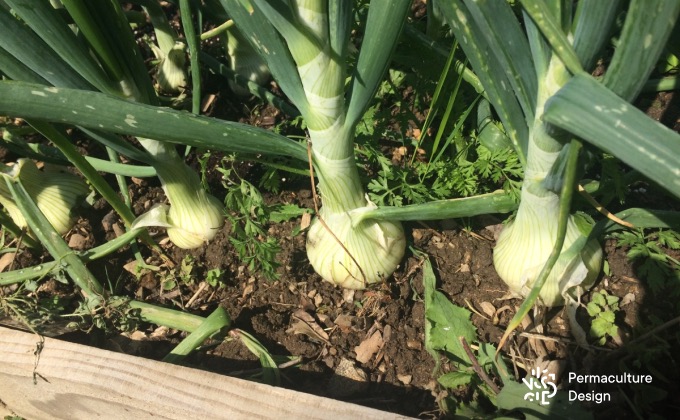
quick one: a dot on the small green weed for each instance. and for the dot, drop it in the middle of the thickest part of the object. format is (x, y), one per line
(448, 329)
(249, 215)
(474, 170)
(660, 271)
(602, 308)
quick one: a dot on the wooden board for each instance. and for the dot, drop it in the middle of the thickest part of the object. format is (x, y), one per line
(73, 381)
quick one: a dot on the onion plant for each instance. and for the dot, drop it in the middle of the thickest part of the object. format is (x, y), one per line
(90, 47)
(109, 61)
(306, 46)
(535, 74)
(56, 193)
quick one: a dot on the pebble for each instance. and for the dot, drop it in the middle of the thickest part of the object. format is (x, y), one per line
(348, 380)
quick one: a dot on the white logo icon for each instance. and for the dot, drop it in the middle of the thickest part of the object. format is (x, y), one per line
(541, 386)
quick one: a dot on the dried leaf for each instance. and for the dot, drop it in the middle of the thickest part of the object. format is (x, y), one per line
(6, 260)
(304, 323)
(344, 322)
(628, 298)
(305, 221)
(369, 347)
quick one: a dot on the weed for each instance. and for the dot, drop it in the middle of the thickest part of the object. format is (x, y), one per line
(249, 216)
(602, 308)
(661, 271)
(474, 170)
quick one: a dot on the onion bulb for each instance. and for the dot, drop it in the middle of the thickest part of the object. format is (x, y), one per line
(525, 244)
(376, 246)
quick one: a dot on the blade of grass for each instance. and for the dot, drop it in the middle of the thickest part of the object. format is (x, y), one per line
(434, 104)
(459, 66)
(457, 129)
(491, 74)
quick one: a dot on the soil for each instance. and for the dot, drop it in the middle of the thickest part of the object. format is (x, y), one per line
(395, 374)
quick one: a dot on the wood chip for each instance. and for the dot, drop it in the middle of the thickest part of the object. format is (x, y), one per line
(6, 260)
(488, 309)
(305, 221)
(369, 347)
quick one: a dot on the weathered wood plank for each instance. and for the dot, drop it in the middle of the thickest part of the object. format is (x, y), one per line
(79, 382)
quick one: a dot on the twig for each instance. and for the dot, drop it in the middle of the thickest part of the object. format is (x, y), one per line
(477, 368)
(201, 287)
(599, 207)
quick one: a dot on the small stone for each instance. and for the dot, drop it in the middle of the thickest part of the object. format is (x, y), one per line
(414, 344)
(117, 229)
(108, 221)
(348, 380)
(77, 241)
(405, 379)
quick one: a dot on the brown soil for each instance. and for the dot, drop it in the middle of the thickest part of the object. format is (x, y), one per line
(397, 374)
